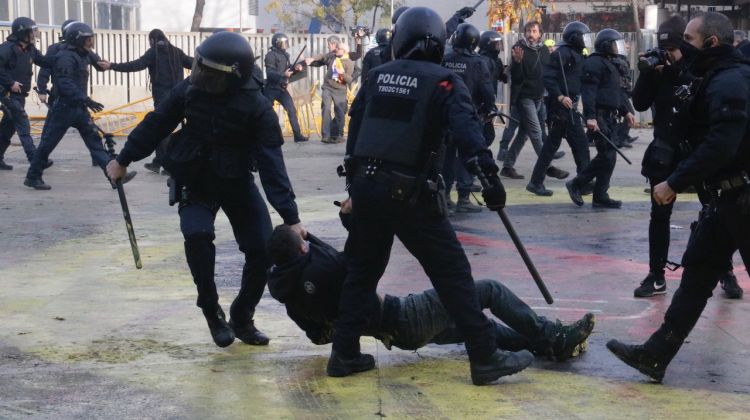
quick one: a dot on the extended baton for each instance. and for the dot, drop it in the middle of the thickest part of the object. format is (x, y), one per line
(503, 115)
(478, 3)
(109, 142)
(516, 240)
(296, 60)
(567, 91)
(611, 143)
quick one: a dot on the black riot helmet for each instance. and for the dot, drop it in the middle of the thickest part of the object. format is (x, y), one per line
(490, 41)
(466, 36)
(419, 35)
(383, 36)
(577, 35)
(280, 41)
(76, 33)
(65, 25)
(397, 14)
(223, 61)
(23, 29)
(609, 41)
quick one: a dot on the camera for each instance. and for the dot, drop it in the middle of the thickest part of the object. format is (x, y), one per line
(364, 29)
(652, 58)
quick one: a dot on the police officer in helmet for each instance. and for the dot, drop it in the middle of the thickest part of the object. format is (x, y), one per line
(603, 100)
(396, 131)
(70, 75)
(373, 57)
(228, 125)
(475, 73)
(562, 79)
(17, 56)
(716, 122)
(278, 71)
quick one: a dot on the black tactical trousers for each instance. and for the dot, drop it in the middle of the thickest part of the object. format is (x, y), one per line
(286, 101)
(564, 124)
(247, 213)
(422, 319)
(718, 234)
(16, 121)
(658, 232)
(376, 219)
(60, 118)
(603, 164)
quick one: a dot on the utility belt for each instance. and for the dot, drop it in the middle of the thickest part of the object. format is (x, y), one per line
(732, 184)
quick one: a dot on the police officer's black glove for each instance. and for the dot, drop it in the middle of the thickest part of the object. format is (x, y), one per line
(494, 194)
(466, 12)
(93, 105)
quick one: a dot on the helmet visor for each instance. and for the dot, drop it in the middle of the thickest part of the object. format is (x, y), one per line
(619, 47)
(588, 41)
(208, 79)
(282, 43)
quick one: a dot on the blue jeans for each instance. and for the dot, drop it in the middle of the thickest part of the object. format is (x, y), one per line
(527, 111)
(422, 319)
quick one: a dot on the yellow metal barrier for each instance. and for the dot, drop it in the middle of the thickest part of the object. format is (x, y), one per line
(118, 121)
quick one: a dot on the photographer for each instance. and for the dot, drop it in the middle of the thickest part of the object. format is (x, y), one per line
(715, 120)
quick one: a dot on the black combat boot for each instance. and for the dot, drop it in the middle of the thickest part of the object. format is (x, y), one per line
(153, 167)
(501, 363)
(339, 366)
(538, 189)
(574, 192)
(729, 285)
(638, 357)
(220, 330)
(606, 203)
(248, 334)
(4, 166)
(570, 340)
(556, 172)
(36, 183)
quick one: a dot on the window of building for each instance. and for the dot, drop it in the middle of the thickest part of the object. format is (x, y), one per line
(102, 16)
(4, 10)
(74, 9)
(127, 15)
(24, 8)
(58, 16)
(252, 7)
(116, 17)
(41, 12)
(88, 12)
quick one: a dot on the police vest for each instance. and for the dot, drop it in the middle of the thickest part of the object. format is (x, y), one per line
(469, 68)
(78, 72)
(18, 63)
(399, 120)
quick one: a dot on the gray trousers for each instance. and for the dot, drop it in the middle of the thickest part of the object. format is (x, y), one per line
(422, 319)
(527, 111)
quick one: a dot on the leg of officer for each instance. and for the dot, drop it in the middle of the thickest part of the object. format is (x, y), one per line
(57, 124)
(91, 137)
(21, 124)
(579, 144)
(6, 133)
(291, 111)
(251, 224)
(326, 101)
(609, 158)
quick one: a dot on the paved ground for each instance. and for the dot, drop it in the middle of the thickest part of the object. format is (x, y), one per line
(85, 335)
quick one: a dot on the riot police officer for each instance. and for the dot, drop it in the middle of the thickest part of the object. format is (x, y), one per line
(228, 125)
(373, 58)
(70, 77)
(398, 119)
(17, 56)
(603, 99)
(386, 54)
(490, 43)
(716, 124)
(278, 71)
(475, 73)
(562, 79)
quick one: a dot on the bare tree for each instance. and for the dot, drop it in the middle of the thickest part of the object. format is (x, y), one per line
(197, 15)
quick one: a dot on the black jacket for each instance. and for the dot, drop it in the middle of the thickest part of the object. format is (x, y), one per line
(601, 87)
(744, 48)
(310, 286)
(70, 75)
(526, 77)
(44, 74)
(16, 65)
(259, 137)
(372, 59)
(716, 120)
(165, 64)
(277, 62)
(497, 68)
(475, 72)
(657, 89)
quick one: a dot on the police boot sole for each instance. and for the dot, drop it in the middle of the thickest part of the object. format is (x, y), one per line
(339, 368)
(617, 349)
(522, 359)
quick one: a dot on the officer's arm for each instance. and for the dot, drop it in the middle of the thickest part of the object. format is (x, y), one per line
(645, 89)
(486, 89)
(41, 60)
(728, 112)
(271, 168)
(366, 65)
(274, 68)
(94, 60)
(452, 23)
(44, 74)
(66, 72)
(589, 84)
(6, 81)
(140, 63)
(552, 76)
(458, 110)
(156, 126)
(356, 113)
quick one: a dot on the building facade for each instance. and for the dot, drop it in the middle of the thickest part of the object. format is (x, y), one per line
(101, 14)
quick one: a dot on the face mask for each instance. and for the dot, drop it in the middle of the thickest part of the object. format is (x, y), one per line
(689, 51)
